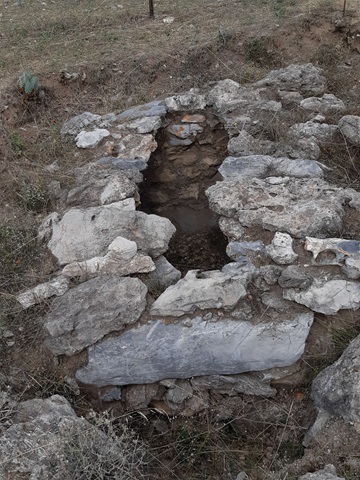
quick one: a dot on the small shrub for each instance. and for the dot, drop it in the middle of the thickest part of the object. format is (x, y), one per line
(17, 143)
(35, 197)
(104, 450)
(29, 84)
(257, 51)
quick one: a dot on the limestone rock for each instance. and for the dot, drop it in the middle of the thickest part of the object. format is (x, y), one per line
(185, 131)
(304, 148)
(33, 445)
(163, 276)
(280, 250)
(337, 388)
(212, 289)
(305, 79)
(347, 253)
(245, 144)
(120, 260)
(328, 297)
(349, 126)
(85, 233)
(91, 139)
(136, 147)
(327, 104)
(152, 109)
(41, 292)
(131, 168)
(99, 185)
(48, 441)
(231, 228)
(320, 132)
(145, 124)
(295, 277)
(299, 207)
(232, 384)
(327, 473)
(224, 94)
(188, 101)
(260, 166)
(239, 250)
(194, 347)
(91, 310)
(76, 124)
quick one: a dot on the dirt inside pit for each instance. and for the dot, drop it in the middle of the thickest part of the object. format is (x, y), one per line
(174, 186)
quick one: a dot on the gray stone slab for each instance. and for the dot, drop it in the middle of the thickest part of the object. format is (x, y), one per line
(194, 347)
(151, 109)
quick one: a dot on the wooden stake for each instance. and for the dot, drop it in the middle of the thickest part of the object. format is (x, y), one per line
(151, 8)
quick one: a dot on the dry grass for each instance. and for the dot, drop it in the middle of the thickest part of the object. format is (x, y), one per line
(122, 57)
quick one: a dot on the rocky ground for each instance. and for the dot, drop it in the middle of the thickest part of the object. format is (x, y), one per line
(225, 367)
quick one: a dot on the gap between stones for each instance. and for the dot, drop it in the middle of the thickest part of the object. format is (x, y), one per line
(190, 149)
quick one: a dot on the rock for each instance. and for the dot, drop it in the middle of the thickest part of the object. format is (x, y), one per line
(163, 276)
(305, 79)
(245, 144)
(100, 185)
(136, 147)
(179, 142)
(49, 441)
(299, 207)
(304, 148)
(327, 473)
(193, 118)
(38, 294)
(194, 347)
(262, 166)
(232, 384)
(224, 94)
(185, 131)
(319, 132)
(131, 168)
(112, 395)
(76, 124)
(270, 273)
(188, 101)
(86, 233)
(336, 390)
(295, 277)
(231, 228)
(349, 126)
(280, 250)
(91, 139)
(178, 392)
(237, 250)
(328, 297)
(152, 109)
(139, 396)
(91, 310)
(120, 260)
(34, 443)
(204, 290)
(145, 124)
(345, 253)
(327, 104)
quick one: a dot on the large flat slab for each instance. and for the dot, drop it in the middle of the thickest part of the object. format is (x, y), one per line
(195, 347)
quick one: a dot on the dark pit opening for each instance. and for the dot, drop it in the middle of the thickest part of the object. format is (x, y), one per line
(190, 149)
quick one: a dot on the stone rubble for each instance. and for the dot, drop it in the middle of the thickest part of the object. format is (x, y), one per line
(281, 218)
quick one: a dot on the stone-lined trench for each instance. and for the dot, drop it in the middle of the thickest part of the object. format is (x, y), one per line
(190, 149)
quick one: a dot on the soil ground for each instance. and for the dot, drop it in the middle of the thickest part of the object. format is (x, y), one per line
(101, 56)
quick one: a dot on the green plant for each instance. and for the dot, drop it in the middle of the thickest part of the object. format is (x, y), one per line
(257, 50)
(29, 84)
(17, 143)
(35, 196)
